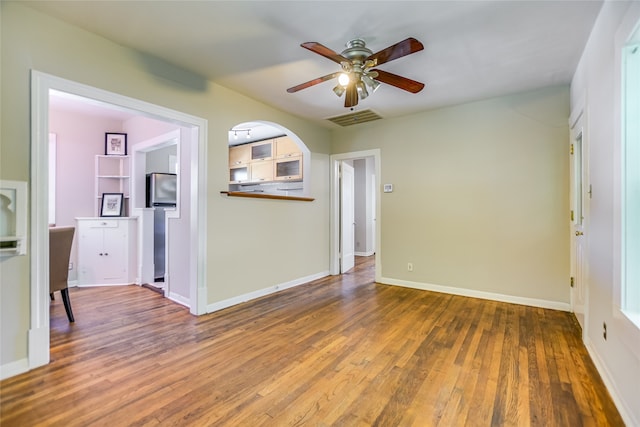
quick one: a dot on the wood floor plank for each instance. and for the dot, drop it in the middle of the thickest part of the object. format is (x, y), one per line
(338, 351)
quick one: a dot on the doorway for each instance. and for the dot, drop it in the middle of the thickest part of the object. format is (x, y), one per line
(158, 155)
(41, 85)
(371, 225)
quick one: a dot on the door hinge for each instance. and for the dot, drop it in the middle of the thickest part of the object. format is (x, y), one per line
(572, 216)
(573, 282)
(571, 149)
(590, 192)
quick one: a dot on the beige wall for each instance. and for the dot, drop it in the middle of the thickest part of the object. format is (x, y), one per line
(480, 198)
(249, 241)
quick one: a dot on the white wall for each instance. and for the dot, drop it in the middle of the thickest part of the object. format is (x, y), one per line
(596, 85)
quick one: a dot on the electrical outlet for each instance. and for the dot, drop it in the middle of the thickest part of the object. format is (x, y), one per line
(604, 330)
(410, 267)
(70, 266)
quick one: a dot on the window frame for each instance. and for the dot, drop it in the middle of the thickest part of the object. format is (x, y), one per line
(627, 321)
(630, 209)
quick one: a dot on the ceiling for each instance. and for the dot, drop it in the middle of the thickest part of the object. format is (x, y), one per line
(473, 49)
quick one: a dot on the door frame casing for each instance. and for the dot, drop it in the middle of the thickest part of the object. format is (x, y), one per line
(41, 84)
(334, 219)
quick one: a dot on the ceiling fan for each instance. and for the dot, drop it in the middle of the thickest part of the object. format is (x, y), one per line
(357, 62)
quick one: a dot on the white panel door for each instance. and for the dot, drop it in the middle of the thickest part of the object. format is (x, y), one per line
(579, 209)
(347, 222)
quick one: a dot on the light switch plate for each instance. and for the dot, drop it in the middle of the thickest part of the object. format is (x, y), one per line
(388, 188)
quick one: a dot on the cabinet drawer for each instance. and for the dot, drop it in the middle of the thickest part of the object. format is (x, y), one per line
(107, 223)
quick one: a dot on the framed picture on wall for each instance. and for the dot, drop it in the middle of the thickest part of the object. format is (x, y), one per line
(115, 144)
(111, 204)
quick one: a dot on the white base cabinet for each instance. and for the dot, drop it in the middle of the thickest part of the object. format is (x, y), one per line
(106, 251)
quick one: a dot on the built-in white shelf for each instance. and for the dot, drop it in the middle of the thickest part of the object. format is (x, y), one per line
(13, 218)
(112, 175)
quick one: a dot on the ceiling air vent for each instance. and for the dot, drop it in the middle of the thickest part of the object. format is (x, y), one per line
(355, 118)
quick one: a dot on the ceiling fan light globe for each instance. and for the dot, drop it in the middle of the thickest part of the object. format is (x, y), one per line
(371, 83)
(362, 90)
(343, 79)
(338, 90)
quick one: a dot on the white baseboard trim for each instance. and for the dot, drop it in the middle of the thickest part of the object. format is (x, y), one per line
(262, 292)
(554, 305)
(623, 409)
(12, 369)
(179, 299)
(364, 253)
(72, 283)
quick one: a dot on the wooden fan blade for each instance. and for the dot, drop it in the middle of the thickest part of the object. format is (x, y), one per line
(399, 81)
(324, 51)
(313, 82)
(351, 96)
(398, 50)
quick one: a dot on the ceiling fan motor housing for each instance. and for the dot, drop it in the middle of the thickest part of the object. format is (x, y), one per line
(357, 53)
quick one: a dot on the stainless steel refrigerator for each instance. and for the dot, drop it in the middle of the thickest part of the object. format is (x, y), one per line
(159, 239)
(161, 194)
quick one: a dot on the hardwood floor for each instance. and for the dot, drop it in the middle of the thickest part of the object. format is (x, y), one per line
(340, 351)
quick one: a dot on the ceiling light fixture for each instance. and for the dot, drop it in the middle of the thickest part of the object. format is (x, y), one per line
(358, 78)
(235, 132)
